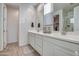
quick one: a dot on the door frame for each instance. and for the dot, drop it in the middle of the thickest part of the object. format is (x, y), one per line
(18, 25)
(4, 6)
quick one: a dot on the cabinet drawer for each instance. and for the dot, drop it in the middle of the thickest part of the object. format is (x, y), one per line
(38, 40)
(68, 45)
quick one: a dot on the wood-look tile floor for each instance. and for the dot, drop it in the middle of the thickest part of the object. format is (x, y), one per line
(14, 50)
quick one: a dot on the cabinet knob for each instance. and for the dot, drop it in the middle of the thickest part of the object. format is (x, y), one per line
(76, 53)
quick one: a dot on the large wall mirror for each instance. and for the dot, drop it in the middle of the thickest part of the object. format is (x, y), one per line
(71, 18)
(47, 14)
(68, 24)
(47, 22)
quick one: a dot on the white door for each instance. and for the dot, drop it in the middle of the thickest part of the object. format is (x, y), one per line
(1, 26)
(5, 26)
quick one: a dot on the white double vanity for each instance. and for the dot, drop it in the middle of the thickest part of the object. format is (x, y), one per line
(63, 40)
(54, 44)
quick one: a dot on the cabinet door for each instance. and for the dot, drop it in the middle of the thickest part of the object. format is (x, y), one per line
(48, 48)
(38, 44)
(39, 40)
(59, 51)
(32, 39)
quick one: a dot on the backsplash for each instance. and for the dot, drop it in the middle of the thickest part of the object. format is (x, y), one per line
(47, 29)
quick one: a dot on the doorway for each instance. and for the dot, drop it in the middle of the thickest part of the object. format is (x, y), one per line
(12, 24)
(56, 23)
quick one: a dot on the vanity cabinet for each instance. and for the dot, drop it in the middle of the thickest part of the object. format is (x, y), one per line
(32, 39)
(57, 47)
(53, 46)
(36, 42)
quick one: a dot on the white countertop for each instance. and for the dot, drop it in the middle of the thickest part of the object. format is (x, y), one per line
(59, 36)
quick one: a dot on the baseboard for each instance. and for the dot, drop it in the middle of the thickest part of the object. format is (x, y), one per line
(23, 44)
(1, 49)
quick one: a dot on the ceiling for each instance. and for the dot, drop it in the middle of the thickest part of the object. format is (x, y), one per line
(16, 5)
(58, 6)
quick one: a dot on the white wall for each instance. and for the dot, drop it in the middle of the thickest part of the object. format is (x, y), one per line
(31, 16)
(23, 27)
(35, 15)
(12, 16)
